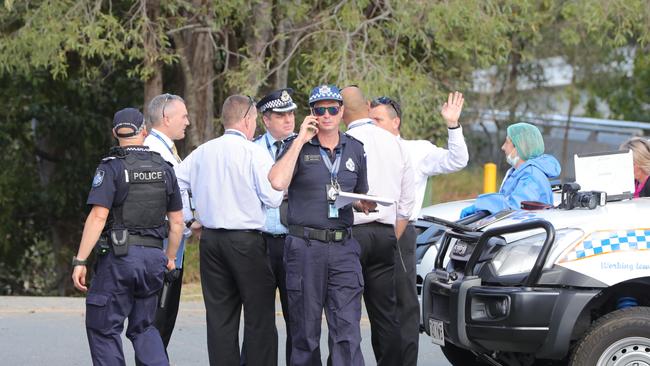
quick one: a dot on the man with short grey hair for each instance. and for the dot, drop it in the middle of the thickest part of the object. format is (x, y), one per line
(167, 119)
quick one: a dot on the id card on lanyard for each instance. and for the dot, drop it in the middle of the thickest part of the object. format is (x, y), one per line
(333, 188)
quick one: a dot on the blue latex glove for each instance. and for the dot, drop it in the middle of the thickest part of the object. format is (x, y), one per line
(469, 210)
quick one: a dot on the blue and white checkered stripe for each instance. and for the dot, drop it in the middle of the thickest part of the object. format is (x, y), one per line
(602, 242)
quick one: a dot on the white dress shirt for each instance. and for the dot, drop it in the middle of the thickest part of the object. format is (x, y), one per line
(229, 181)
(428, 160)
(160, 143)
(390, 173)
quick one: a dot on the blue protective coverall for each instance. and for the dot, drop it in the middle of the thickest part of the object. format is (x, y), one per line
(529, 182)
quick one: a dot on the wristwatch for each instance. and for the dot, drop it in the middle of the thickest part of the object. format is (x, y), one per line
(78, 262)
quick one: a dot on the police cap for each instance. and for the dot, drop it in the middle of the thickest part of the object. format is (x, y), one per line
(128, 118)
(325, 92)
(277, 101)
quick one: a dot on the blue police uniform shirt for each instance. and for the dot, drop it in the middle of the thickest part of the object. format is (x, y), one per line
(110, 188)
(308, 204)
(272, 224)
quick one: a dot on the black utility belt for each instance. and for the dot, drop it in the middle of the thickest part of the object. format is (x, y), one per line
(324, 235)
(120, 241)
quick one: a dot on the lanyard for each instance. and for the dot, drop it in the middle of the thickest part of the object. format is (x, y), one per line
(236, 133)
(333, 168)
(162, 140)
(360, 124)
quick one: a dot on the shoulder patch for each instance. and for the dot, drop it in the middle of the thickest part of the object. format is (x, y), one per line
(99, 178)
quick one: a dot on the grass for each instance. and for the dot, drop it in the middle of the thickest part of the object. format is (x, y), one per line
(467, 183)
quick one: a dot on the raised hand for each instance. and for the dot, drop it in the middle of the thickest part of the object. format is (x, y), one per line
(451, 109)
(308, 129)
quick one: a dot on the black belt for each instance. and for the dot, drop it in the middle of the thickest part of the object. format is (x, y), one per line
(145, 241)
(276, 236)
(325, 235)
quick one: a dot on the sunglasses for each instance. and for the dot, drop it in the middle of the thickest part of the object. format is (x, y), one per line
(164, 104)
(251, 102)
(320, 111)
(387, 101)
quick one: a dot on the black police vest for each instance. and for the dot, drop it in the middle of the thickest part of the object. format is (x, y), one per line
(145, 205)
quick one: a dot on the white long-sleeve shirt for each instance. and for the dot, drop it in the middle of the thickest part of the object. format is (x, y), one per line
(428, 159)
(390, 173)
(229, 181)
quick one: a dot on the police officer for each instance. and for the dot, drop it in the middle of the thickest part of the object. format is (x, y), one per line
(168, 118)
(321, 257)
(427, 160)
(389, 175)
(229, 180)
(277, 109)
(132, 191)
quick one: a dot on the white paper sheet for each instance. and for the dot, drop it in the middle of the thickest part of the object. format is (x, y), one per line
(345, 198)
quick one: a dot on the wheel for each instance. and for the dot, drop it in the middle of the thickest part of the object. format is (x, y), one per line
(460, 357)
(620, 338)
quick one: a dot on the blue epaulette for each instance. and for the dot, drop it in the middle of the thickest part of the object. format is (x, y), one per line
(352, 138)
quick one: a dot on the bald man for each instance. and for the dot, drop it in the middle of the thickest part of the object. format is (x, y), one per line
(389, 175)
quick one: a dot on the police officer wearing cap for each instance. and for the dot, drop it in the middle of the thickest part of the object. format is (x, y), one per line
(389, 175)
(277, 109)
(228, 177)
(321, 257)
(132, 191)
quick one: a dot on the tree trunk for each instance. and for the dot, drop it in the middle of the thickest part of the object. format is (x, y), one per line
(154, 84)
(196, 51)
(257, 39)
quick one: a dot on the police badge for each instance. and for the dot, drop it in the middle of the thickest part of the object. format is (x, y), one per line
(350, 164)
(285, 96)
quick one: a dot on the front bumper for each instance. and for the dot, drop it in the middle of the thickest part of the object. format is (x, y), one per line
(511, 319)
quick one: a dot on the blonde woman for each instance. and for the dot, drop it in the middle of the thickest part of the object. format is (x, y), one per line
(641, 154)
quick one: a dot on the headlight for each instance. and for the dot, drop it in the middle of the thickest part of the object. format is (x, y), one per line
(520, 256)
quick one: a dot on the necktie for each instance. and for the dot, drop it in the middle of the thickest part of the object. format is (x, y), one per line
(278, 148)
(175, 153)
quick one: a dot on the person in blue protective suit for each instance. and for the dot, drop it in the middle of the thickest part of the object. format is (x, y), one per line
(527, 180)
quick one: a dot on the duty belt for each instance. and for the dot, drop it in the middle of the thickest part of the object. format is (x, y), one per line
(145, 241)
(325, 235)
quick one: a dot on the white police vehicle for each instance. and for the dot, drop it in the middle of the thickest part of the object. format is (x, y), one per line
(546, 287)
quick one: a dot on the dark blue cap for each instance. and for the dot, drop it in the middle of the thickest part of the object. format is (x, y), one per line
(277, 101)
(130, 118)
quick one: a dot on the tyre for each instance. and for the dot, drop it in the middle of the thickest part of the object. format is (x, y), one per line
(619, 338)
(460, 357)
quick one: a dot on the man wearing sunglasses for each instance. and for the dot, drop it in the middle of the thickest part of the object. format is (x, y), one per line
(228, 177)
(321, 256)
(389, 175)
(167, 117)
(427, 160)
(277, 109)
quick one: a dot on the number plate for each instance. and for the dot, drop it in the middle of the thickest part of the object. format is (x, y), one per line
(437, 332)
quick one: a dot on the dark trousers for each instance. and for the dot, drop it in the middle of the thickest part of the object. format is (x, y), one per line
(126, 287)
(275, 248)
(324, 275)
(235, 272)
(378, 247)
(408, 306)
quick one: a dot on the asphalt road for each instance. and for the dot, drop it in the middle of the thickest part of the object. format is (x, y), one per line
(37, 331)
